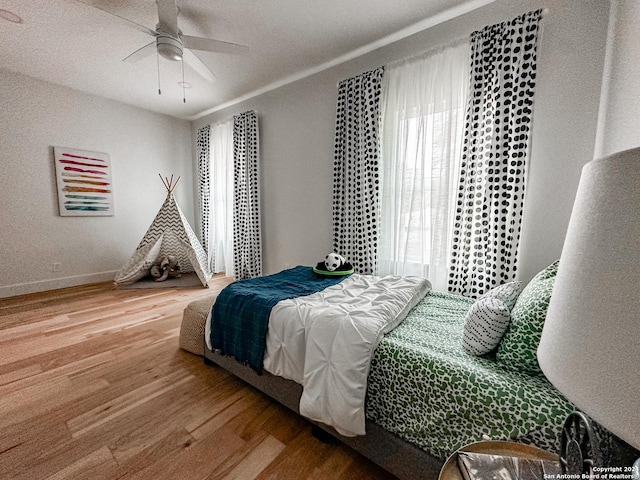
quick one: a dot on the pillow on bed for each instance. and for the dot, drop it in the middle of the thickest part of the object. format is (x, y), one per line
(507, 292)
(517, 350)
(488, 318)
(550, 272)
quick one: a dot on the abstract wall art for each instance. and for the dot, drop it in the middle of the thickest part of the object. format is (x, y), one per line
(84, 182)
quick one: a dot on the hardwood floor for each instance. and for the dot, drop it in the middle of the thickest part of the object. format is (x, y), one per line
(93, 385)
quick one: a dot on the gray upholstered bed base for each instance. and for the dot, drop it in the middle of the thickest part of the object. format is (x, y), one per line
(402, 459)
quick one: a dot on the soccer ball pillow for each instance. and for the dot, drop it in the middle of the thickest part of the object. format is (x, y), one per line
(333, 261)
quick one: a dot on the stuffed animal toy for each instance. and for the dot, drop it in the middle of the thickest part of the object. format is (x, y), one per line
(164, 268)
(333, 265)
(333, 261)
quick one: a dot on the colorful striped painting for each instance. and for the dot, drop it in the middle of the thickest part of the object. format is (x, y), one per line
(84, 182)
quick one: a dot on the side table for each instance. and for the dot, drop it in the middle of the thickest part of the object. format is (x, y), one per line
(450, 469)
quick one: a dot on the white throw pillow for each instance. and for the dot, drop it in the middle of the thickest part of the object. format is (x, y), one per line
(488, 318)
(507, 292)
(484, 325)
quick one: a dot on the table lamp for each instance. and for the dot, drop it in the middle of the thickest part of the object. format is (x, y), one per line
(590, 344)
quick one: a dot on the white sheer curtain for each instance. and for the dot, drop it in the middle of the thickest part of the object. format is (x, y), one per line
(423, 114)
(220, 239)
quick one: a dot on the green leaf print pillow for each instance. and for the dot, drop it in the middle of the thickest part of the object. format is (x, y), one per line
(517, 350)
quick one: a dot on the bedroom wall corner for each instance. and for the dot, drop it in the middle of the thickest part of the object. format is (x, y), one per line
(296, 124)
(571, 60)
(619, 121)
(36, 116)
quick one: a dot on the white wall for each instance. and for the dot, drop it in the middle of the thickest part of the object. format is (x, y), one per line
(297, 126)
(619, 125)
(34, 117)
(571, 63)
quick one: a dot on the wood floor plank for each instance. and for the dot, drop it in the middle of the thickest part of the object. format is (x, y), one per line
(196, 458)
(20, 405)
(94, 385)
(334, 467)
(94, 465)
(107, 411)
(32, 329)
(285, 431)
(20, 374)
(260, 452)
(287, 464)
(24, 447)
(235, 405)
(13, 351)
(65, 371)
(142, 456)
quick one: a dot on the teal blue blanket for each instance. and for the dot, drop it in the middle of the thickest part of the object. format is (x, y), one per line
(240, 314)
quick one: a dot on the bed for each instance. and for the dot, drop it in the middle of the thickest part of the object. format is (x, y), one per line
(426, 396)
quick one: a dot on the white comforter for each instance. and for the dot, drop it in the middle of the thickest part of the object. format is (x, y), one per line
(325, 342)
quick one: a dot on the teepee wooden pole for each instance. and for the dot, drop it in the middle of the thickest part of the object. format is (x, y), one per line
(169, 184)
(164, 182)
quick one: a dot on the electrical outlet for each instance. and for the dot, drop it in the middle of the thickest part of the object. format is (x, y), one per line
(55, 267)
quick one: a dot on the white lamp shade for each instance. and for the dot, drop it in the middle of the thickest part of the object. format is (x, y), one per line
(590, 345)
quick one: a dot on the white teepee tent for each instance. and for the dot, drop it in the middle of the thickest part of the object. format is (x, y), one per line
(169, 234)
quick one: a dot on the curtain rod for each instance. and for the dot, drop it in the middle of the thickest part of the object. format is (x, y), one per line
(430, 51)
(453, 43)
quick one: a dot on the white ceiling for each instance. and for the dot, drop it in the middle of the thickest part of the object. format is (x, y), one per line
(71, 43)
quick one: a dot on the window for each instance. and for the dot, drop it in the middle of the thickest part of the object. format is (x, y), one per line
(220, 236)
(421, 142)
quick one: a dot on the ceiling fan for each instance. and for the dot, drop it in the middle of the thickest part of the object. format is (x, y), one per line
(172, 44)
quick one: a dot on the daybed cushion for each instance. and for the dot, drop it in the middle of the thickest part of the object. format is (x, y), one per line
(426, 389)
(518, 348)
(193, 321)
(488, 319)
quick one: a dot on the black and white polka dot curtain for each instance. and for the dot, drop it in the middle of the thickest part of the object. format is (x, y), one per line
(494, 162)
(247, 240)
(355, 170)
(202, 153)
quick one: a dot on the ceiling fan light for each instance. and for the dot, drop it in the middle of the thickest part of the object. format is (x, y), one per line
(169, 47)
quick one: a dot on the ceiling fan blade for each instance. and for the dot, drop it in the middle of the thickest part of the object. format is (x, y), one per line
(198, 65)
(210, 45)
(133, 24)
(168, 16)
(141, 53)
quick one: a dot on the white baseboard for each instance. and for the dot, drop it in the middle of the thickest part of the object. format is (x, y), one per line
(55, 283)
